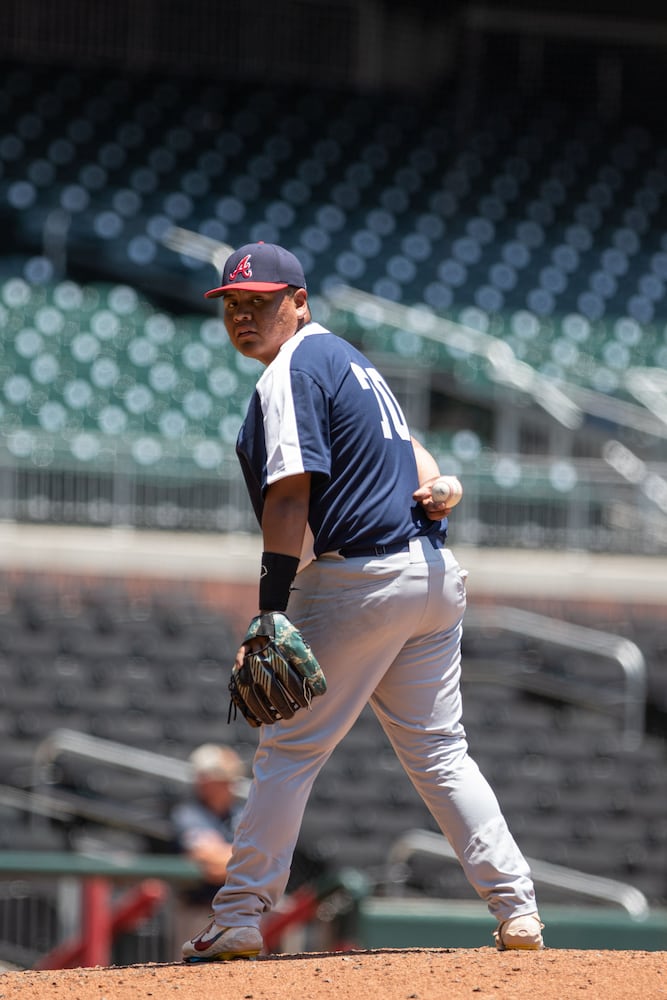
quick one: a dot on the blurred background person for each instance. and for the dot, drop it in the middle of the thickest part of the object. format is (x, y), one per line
(203, 825)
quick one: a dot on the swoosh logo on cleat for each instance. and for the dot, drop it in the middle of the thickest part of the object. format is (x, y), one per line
(200, 945)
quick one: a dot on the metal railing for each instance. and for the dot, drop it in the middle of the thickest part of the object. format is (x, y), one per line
(424, 842)
(110, 753)
(510, 500)
(88, 908)
(616, 650)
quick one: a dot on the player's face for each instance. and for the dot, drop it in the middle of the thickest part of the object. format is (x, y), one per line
(259, 323)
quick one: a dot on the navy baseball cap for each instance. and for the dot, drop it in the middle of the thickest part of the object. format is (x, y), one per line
(259, 267)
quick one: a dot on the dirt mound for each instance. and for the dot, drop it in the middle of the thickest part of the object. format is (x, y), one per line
(387, 974)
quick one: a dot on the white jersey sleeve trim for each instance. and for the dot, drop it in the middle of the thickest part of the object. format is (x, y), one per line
(281, 433)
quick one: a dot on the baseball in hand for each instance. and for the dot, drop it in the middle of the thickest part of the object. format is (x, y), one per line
(447, 490)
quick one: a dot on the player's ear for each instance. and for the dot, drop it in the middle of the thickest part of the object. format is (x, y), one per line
(301, 302)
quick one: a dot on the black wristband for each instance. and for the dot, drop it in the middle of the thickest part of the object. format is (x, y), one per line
(275, 580)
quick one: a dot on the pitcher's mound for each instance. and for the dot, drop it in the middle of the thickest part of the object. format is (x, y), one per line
(385, 974)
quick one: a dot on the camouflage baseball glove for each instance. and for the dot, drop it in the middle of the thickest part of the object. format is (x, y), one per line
(279, 673)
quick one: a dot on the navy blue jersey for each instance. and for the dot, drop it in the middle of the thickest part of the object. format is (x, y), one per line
(321, 407)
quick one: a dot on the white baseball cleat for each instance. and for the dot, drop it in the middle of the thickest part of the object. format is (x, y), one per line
(522, 933)
(223, 944)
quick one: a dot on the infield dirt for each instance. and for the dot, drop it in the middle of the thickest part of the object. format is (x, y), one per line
(413, 974)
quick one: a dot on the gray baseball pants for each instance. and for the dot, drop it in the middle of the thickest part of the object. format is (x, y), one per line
(386, 631)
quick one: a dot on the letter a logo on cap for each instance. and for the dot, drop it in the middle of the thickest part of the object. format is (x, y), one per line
(259, 267)
(242, 269)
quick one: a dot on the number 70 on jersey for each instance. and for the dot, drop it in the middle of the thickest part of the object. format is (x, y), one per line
(391, 415)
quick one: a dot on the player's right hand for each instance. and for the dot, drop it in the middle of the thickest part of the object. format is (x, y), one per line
(435, 511)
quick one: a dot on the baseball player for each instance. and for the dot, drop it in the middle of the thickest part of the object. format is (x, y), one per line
(354, 555)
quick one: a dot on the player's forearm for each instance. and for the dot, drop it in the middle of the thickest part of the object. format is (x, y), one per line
(285, 515)
(427, 467)
(284, 521)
